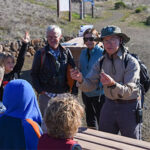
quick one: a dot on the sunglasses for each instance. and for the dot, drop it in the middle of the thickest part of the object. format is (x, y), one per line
(90, 39)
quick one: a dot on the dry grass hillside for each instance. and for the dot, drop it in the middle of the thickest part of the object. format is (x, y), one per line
(34, 16)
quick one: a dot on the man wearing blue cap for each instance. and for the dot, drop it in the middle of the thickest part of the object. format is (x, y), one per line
(120, 82)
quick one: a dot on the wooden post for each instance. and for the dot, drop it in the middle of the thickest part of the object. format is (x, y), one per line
(92, 11)
(81, 9)
(58, 12)
(70, 18)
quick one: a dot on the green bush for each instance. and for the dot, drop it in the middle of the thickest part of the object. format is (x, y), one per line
(119, 5)
(140, 9)
(148, 21)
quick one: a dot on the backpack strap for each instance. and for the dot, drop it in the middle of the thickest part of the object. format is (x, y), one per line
(101, 62)
(35, 127)
(70, 81)
(126, 59)
(43, 55)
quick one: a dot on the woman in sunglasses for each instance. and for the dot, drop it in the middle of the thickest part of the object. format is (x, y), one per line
(94, 100)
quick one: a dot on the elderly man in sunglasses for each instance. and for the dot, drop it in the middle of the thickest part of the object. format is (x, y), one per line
(93, 100)
(121, 85)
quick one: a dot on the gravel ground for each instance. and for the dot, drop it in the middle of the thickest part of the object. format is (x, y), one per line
(21, 15)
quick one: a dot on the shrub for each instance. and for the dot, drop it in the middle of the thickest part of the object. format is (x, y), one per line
(148, 21)
(119, 5)
(140, 9)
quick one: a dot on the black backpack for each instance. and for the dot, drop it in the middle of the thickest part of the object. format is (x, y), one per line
(144, 74)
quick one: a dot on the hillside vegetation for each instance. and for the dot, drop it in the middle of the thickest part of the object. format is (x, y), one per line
(34, 16)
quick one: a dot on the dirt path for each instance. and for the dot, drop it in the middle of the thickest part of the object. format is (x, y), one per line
(115, 17)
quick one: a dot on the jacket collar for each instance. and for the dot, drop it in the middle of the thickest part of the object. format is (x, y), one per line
(61, 48)
(118, 54)
(93, 50)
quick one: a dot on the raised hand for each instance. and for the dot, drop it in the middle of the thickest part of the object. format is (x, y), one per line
(76, 75)
(106, 79)
(26, 37)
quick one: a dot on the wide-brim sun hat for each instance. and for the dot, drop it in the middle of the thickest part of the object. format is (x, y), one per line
(113, 30)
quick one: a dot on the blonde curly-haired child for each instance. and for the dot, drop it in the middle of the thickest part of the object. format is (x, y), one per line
(63, 117)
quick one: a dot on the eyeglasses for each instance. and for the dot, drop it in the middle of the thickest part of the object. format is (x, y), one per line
(52, 37)
(112, 41)
(90, 39)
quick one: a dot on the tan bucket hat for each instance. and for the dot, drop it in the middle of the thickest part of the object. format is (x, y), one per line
(113, 30)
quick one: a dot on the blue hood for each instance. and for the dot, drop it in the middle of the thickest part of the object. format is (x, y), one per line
(20, 101)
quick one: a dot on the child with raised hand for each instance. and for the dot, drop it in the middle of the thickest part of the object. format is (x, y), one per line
(12, 70)
(62, 118)
(2, 69)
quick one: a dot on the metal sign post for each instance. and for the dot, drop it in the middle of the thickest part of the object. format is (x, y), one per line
(92, 11)
(70, 18)
(92, 7)
(64, 5)
(58, 12)
(84, 9)
(81, 10)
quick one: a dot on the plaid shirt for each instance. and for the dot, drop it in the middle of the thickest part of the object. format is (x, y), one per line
(55, 53)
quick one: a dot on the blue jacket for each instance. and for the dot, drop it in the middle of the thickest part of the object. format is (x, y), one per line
(19, 124)
(86, 64)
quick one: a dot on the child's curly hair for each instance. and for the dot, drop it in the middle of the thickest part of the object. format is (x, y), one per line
(63, 116)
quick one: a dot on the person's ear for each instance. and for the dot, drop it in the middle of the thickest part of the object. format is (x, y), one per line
(121, 41)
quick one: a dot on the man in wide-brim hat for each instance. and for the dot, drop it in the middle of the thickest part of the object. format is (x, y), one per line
(120, 83)
(113, 30)
(110, 36)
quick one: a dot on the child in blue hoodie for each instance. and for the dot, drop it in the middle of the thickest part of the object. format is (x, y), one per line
(19, 124)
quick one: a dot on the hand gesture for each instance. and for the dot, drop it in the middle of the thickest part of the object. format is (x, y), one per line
(106, 79)
(26, 38)
(76, 75)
